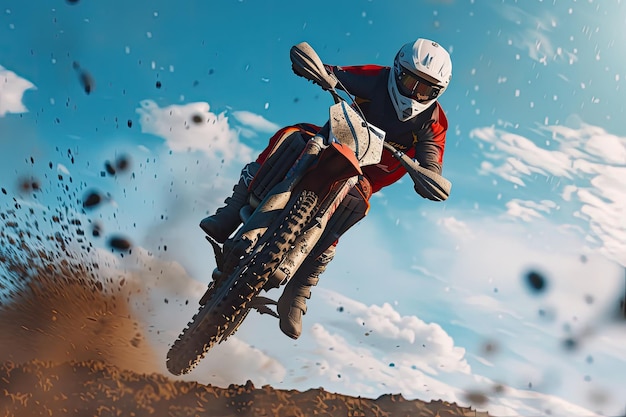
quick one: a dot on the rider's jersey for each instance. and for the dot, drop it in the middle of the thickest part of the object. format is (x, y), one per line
(422, 137)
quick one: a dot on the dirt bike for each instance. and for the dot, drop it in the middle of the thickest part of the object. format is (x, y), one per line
(306, 194)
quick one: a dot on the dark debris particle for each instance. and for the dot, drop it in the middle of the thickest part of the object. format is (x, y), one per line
(158, 84)
(548, 314)
(499, 388)
(72, 1)
(476, 397)
(92, 199)
(108, 166)
(86, 80)
(340, 309)
(536, 282)
(119, 243)
(129, 123)
(570, 344)
(122, 163)
(196, 118)
(4, 191)
(96, 230)
(490, 348)
(29, 184)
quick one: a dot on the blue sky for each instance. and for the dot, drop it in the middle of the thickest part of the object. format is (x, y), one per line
(536, 152)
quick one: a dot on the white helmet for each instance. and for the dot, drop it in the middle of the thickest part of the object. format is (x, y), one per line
(420, 74)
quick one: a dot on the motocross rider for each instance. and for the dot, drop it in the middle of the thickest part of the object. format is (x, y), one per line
(402, 101)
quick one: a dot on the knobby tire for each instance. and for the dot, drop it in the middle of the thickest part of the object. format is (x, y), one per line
(227, 304)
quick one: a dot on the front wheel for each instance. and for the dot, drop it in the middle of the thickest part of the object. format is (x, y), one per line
(227, 303)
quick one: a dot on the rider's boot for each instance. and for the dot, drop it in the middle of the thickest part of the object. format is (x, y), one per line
(292, 303)
(226, 219)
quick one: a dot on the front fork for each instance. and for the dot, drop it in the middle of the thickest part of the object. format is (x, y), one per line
(269, 196)
(279, 195)
(307, 242)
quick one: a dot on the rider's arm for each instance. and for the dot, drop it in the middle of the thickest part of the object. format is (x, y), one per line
(429, 147)
(430, 141)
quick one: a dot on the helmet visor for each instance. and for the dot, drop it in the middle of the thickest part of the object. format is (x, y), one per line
(414, 86)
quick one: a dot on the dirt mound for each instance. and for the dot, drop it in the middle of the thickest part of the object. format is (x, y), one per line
(93, 388)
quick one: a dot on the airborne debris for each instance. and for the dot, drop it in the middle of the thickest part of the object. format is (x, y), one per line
(109, 168)
(29, 184)
(119, 243)
(536, 282)
(121, 164)
(85, 78)
(92, 199)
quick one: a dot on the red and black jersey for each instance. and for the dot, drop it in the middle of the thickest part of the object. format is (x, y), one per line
(422, 137)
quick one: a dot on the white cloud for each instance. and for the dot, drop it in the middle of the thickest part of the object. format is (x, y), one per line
(533, 34)
(477, 294)
(403, 354)
(456, 227)
(384, 324)
(63, 169)
(363, 370)
(193, 127)
(529, 210)
(521, 155)
(589, 164)
(255, 121)
(12, 88)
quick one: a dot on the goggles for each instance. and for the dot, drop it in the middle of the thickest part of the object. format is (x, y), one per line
(415, 87)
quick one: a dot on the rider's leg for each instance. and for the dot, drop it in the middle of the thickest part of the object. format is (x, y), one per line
(292, 303)
(226, 219)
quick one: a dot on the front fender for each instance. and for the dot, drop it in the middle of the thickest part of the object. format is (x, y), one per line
(336, 163)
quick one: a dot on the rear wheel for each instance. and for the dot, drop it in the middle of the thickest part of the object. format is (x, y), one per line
(227, 303)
